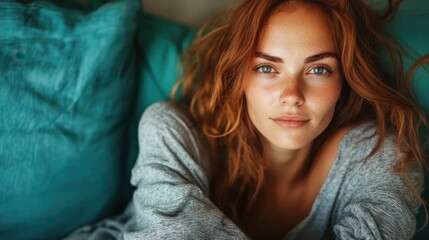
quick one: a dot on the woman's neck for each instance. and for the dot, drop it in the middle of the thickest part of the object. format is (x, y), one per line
(286, 166)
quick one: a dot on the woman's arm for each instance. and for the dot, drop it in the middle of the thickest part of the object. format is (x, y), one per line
(172, 180)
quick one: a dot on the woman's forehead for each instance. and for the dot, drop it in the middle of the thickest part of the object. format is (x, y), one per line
(301, 28)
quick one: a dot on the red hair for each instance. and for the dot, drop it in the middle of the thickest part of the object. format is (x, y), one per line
(213, 83)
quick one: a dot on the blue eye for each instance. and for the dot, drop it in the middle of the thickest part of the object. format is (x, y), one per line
(319, 71)
(265, 69)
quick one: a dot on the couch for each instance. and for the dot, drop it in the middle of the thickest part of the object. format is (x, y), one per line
(75, 79)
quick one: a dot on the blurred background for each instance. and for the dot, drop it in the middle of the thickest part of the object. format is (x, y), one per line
(191, 12)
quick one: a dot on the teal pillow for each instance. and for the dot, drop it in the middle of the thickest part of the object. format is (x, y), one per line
(67, 84)
(161, 42)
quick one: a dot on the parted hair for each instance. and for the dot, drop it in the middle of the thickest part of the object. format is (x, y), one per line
(213, 84)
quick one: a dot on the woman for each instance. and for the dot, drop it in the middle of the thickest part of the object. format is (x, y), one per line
(295, 132)
(292, 131)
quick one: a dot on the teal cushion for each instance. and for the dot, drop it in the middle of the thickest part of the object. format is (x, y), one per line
(161, 42)
(66, 88)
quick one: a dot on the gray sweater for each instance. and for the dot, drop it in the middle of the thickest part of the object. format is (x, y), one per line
(358, 200)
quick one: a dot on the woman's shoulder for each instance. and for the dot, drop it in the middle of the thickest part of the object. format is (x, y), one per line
(362, 162)
(161, 115)
(362, 141)
(352, 147)
(166, 111)
(361, 154)
(170, 127)
(169, 120)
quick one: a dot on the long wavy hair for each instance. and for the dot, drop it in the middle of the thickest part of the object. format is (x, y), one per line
(213, 84)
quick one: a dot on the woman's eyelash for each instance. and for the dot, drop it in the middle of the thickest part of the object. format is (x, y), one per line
(321, 70)
(317, 70)
(264, 69)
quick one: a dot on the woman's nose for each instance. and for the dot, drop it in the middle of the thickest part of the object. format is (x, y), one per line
(292, 93)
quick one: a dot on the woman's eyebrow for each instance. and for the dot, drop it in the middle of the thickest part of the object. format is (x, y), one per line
(310, 59)
(321, 56)
(268, 57)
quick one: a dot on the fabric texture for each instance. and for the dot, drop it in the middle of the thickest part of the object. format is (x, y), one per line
(360, 199)
(66, 86)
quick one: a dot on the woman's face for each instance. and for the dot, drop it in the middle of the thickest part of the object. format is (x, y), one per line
(295, 78)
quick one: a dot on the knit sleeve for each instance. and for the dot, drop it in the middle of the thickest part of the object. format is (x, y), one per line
(377, 203)
(172, 179)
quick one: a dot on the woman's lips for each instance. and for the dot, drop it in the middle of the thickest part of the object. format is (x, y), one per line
(291, 122)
